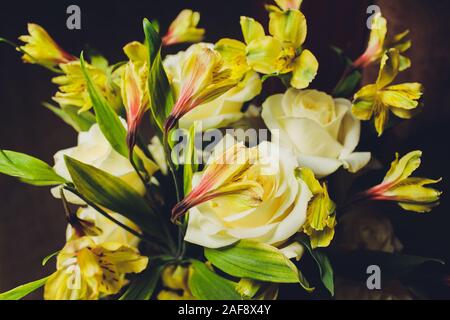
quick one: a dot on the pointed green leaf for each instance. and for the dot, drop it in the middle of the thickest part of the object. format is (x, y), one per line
(144, 284)
(253, 260)
(47, 258)
(28, 169)
(69, 114)
(113, 193)
(325, 269)
(161, 97)
(23, 290)
(107, 119)
(190, 162)
(207, 285)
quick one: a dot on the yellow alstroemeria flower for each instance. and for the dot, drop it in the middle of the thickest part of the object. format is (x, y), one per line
(279, 53)
(378, 44)
(175, 282)
(410, 192)
(73, 90)
(184, 29)
(40, 48)
(224, 176)
(204, 77)
(135, 98)
(377, 99)
(87, 271)
(320, 218)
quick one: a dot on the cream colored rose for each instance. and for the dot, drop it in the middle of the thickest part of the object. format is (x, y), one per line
(95, 150)
(257, 197)
(111, 232)
(320, 130)
(222, 111)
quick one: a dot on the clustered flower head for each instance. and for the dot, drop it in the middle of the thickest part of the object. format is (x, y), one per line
(251, 207)
(281, 52)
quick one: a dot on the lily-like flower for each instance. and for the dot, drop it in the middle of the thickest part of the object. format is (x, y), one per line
(73, 90)
(184, 29)
(410, 192)
(376, 100)
(203, 78)
(280, 53)
(87, 271)
(378, 44)
(40, 48)
(135, 98)
(224, 176)
(320, 217)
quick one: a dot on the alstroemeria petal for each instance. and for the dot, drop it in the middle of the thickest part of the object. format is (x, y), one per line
(389, 68)
(305, 70)
(251, 29)
(381, 119)
(403, 168)
(397, 99)
(289, 27)
(263, 53)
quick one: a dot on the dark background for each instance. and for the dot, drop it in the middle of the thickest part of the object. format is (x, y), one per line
(31, 221)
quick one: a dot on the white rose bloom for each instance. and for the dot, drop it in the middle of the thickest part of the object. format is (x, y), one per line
(219, 112)
(95, 150)
(111, 232)
(267, 202)
(322, 132)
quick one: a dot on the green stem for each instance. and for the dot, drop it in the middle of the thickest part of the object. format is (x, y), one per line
(120, 224)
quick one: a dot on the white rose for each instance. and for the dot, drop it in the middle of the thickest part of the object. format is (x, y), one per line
(270, 209)
(111, 232)
(222, 111)
(322, 132)
(95, 150)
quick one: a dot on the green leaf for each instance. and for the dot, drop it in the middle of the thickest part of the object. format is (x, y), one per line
(253, 260)
(325, 268)
(393, 265)
(143, 286)
(348, 86)
(190, 162)
(69, 114)
(152, 39)
(47, 258)
(107, 119)
(207, 285)
(158, 84)
(23, 290)
(113, 193)
(28, 169)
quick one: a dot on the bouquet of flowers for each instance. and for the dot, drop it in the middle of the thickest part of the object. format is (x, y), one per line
(182, 187)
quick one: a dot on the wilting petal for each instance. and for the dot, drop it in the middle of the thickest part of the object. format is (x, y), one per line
(381, 119)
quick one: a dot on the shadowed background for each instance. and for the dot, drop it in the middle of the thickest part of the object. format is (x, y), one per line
(32, 222)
